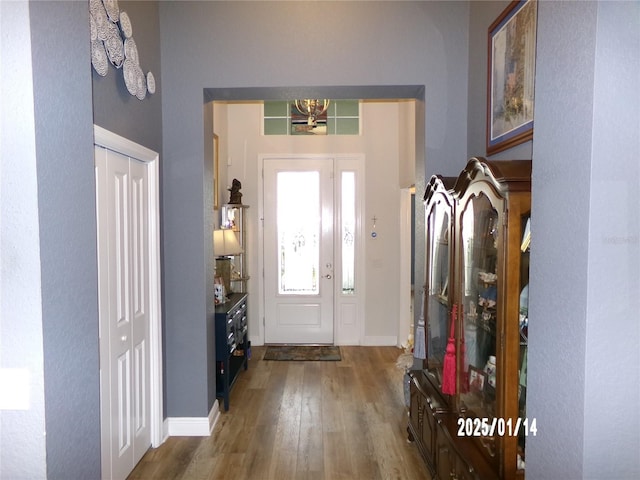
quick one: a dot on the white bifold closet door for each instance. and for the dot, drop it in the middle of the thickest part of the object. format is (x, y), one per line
(123, 266)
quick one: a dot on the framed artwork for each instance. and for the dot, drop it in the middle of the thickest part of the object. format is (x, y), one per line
(477, 379)
(511, 75)
(216, 173)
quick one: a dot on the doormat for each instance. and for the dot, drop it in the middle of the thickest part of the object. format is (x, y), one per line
(303, 353)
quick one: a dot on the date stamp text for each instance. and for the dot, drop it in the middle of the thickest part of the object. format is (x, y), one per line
(501, 427)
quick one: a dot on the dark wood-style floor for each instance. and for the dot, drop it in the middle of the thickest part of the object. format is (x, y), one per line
(302, 420)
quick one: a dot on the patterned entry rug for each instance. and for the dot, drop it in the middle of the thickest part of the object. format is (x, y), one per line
(303, 352)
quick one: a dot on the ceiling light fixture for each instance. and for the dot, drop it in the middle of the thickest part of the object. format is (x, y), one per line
(311, 108)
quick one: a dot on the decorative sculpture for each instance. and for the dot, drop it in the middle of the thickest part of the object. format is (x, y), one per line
(236, 195)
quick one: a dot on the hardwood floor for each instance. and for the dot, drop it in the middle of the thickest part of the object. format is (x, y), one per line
(302, 420)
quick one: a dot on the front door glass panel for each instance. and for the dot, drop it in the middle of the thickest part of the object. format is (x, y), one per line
(299, 223)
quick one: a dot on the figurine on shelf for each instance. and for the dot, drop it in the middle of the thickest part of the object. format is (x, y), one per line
(220, 296)
(488, 296)
(473, 312)
(490, 370)
(236, 196)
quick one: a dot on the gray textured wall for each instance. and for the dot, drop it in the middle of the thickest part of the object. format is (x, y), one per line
(559, 265)
(583, 334)
(217, 45)
(614, 252)
(614, 248)
(66, 201)
(114, 108)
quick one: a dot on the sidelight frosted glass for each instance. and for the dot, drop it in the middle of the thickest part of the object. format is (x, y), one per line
(348, 228)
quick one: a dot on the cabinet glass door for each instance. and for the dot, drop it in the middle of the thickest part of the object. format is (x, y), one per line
(523, 323)
(437, 295)
(480, 234)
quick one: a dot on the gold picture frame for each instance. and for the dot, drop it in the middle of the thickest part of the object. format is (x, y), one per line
(216, 173)
(511, 75)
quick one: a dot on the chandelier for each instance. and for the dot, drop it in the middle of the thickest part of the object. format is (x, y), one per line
(311, 108)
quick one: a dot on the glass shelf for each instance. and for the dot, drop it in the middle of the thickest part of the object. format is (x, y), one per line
(233, 216)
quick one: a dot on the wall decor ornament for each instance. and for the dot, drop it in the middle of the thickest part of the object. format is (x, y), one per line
(151, 83)
(114, 46)
(93, 28)
(511, 74)
(112, 8)
(129, 72)
(125, 25)
(112, 42)
(99, 58)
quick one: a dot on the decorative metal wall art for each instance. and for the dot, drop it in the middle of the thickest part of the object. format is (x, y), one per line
(112, 42)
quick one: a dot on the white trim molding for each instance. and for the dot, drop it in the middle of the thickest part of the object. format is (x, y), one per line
(405, 313)
(194, 426)
(115, 142)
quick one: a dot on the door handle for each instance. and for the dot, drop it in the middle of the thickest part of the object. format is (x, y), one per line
(328, 275)
(123, 338)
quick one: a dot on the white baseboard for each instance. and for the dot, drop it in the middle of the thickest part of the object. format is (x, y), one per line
(381, 341)
(214, 415)
(165, 431)
(193, 426)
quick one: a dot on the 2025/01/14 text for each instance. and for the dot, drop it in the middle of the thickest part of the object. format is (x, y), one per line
(489, 427)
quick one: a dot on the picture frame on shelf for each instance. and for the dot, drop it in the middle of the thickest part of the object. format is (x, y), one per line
(511, 75)
(477, 380)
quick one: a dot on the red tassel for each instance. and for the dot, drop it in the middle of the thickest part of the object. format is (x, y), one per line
(463, 385)
(449, 367)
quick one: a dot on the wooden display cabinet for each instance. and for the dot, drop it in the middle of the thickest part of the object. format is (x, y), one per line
(477, 260)
(425, 404)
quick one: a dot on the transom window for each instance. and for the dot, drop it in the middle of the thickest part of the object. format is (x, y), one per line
(341, 118)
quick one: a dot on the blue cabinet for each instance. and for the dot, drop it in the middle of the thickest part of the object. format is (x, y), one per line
(232, 343)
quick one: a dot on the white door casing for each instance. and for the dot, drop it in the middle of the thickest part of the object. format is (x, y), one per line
(347, 322)
(129, 301)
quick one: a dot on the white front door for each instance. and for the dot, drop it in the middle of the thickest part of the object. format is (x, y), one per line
(298, 250)
(124, 302)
